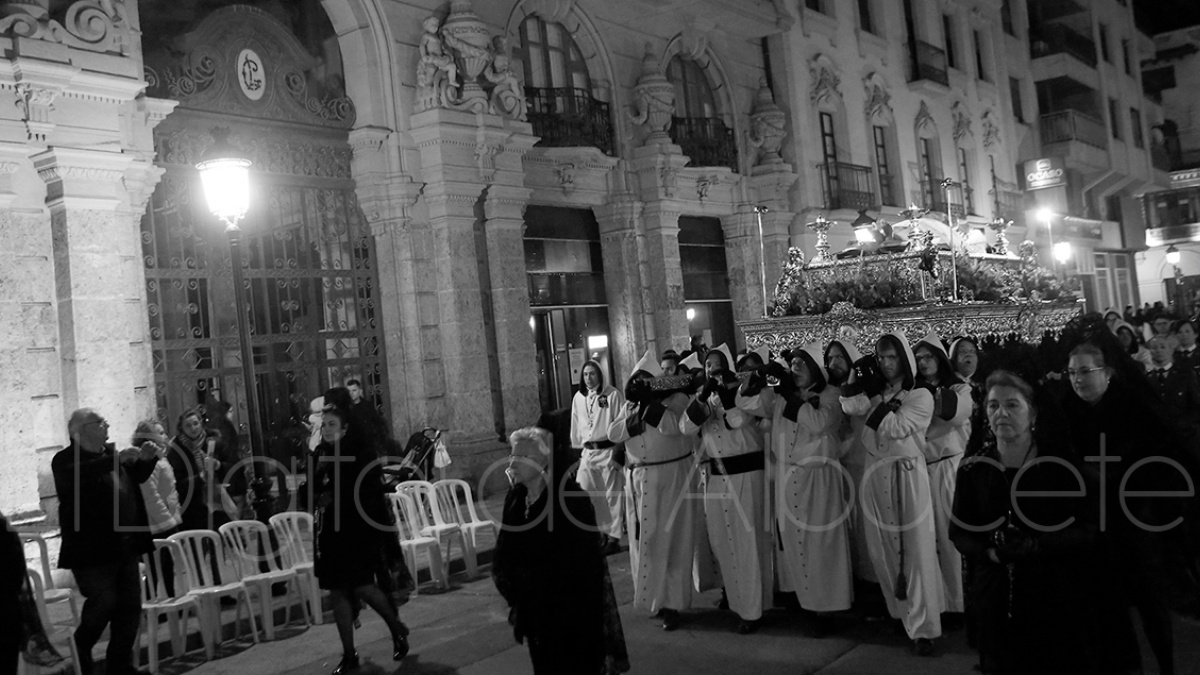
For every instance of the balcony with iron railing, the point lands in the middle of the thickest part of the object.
(705, 140)
(933, 197)
(1058, 39)
(1008, 202)
(568, 117)
(1072, 125)
(929, 63)
(848, 186)
(1172, 215)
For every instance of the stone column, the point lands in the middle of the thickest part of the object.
(99, 294)
(386, 197)
(505, 209)
(625, 269)
(457, 168)
(657, 168)
(743, 257)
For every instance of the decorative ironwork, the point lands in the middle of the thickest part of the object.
(928, 63)
(568, 117)
(848, 186)
(706, 141)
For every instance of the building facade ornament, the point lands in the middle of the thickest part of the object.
(36, 104)
(962, 121)
(91, 25)
(463, 68)
(826, 84)
(555, 11)
(653, 99)
(991, 130)
(767, 126)
(566, 177)
(878, 105)
(924, 118)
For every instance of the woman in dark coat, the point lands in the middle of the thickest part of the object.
(1036, 590)
(549, 566)
(1113, 418)
(352, 525)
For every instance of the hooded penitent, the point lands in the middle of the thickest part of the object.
(648, 364)
(723, 350)
(900, 342)
(690, 363)
(813, 357)
(938, 347)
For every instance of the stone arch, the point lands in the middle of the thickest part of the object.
(694, 45)
(368, 51)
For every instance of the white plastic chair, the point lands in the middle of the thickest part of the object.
(249, 545)
(457, 505)
(434, 525)
(202, 550)
(57, 635)
(289, 530)
(54, 594)
(156, 601)
(412, 542)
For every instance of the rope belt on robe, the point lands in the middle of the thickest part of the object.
(637, 516)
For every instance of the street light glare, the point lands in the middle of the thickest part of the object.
(1173, 255)
(226, 183)
(691, 313)
(1045, 215)
(1062, 251)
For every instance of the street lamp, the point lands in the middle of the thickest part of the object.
(759, 210)
(1173, 259)
(1062, 252)
(1173, 255)
(225, 175)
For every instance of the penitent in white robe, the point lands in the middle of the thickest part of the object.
(945, 443)
(733, 507)
(662, 507)
(898, 509)
(814, 513)
(598, 474)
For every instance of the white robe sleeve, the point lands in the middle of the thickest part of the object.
(855, 406)
(578, 419)
(824, 419)
(911, 418)
(759, 405)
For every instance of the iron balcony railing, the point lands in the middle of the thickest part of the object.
(705, 140)
(568, 117)
(848, 186)
(1008, 202)
(1072, 125)
(1058, 39)
(929, 63)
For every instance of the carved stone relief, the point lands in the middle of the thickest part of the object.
(878, 105)
(991, 130)
(653, 99)
(826, 84)
(90, 25)
(767, 126)
(962, 121)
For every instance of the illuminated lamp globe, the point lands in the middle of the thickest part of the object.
(1062, 251)
(1045, 215)
(1173, 255)
(225, 175)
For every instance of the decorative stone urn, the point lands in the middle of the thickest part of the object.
(467, 35)
(654, 100)
(767, 125)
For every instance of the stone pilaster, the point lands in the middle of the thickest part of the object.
(629, 325)
(657, 168)
(98, 293)
(387, 197)
(458, 162)
(743, 258)
(515, 353)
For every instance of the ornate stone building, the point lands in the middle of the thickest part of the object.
(456, 203)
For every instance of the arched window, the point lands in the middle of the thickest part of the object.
(562, 108)
(696, 126)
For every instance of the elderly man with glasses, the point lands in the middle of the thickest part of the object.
(104, 533)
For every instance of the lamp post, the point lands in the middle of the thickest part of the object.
(759, 210)
(225, 175)
(946, 185)
(1173, 257)
(1047, 217)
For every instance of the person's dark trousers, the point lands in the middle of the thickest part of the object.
(111, 596)
(10, 639)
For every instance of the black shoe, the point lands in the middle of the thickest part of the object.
(670, 619)
(747, 627)
(399, 647)
(348, 664)
(923, 646)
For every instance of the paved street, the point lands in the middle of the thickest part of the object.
(463, 631)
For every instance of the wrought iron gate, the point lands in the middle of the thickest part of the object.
(309, 254)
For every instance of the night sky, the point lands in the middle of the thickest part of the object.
(1159, 16)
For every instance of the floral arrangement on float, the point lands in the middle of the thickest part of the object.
(914, 277)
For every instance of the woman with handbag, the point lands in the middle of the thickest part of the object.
(351, 524)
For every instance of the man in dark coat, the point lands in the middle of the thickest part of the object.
(104, 534)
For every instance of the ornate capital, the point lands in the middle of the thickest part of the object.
(36, 104)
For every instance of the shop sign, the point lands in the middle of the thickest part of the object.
(1045, 173)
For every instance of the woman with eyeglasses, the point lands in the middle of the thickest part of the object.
(1127, 336)
(1108, 417)
(1033, 585)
